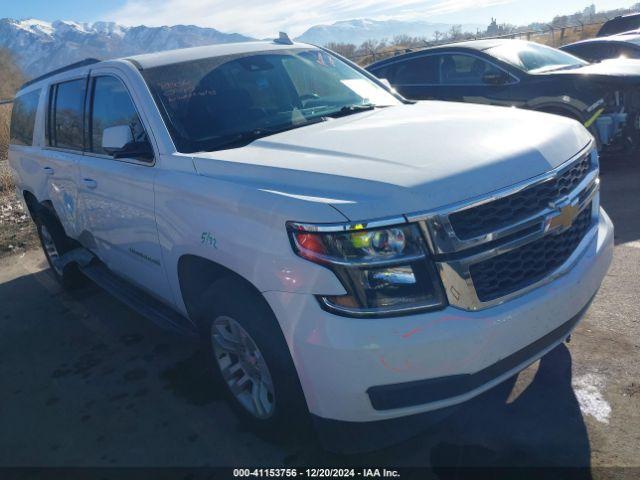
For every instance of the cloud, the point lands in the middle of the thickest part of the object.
(259, 18)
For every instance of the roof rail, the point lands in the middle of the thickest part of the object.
(81, 63)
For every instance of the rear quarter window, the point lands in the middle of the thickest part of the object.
(23, 118)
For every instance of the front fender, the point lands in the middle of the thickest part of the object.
(240, 228)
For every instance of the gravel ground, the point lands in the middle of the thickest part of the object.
(84, 381)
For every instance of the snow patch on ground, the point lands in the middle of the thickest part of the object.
(588, 389)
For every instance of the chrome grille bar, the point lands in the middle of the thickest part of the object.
(442, 237)
(455, 256)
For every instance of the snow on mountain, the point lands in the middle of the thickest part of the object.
(360, 30)
(41, 46)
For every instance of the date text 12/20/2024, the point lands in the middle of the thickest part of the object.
(316, 472)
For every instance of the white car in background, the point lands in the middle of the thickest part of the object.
(338, 249)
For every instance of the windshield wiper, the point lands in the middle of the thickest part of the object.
(351, 109)
(244, 138)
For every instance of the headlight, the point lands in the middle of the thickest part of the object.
(385, 271)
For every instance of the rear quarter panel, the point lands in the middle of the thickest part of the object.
(25, 162)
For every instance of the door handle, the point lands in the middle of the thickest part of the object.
(48, 170)
(90, 182)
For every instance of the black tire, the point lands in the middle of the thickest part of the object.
(233, 298)
(50, 229)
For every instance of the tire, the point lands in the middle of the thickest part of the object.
(283, 409)
(55, 243)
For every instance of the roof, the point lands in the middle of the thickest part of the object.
(151, 60)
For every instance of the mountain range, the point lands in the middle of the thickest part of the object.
(40, 46)
(360, 30)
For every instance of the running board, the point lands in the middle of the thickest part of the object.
(138, 300)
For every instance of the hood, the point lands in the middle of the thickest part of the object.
(620, 69)
(401, 159)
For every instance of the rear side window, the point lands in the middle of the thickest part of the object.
(23, 118)
(386, 72)
(66, 114)
(416, 71)
(112, 106)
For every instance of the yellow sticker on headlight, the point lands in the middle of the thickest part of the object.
(360, 240)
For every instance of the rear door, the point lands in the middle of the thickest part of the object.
(117, 195)
(64, 146)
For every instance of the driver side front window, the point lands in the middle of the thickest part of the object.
(112, 106)
(466, 70)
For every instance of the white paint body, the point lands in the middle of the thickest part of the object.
(387, 162)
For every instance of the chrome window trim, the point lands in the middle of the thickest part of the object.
(442, 239)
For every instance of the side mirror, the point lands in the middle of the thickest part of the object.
(386, 83)
(118, 141)
(115, 139)
(495, 78)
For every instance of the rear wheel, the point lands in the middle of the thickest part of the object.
(249, 358)
(55, 244)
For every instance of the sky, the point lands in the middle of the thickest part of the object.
(260, 18)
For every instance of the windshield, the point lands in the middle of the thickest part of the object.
(533, 57)
(228, 101)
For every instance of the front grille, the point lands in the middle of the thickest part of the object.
(506, 211)
(526, 265)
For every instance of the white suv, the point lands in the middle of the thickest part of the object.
(340, 250)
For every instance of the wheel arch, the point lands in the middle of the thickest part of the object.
(196, 274)
(573, 113)
(32, 203)
(562, 110)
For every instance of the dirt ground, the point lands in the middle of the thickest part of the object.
(17, 232)
(84, 381)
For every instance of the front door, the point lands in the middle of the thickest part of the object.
(117, 195)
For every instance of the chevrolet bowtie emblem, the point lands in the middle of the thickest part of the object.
(563, 219)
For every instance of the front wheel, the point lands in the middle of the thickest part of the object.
(249, 358)
(243, 367)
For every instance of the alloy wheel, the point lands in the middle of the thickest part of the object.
(243, 367)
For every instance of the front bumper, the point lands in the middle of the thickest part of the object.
(345, 363)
